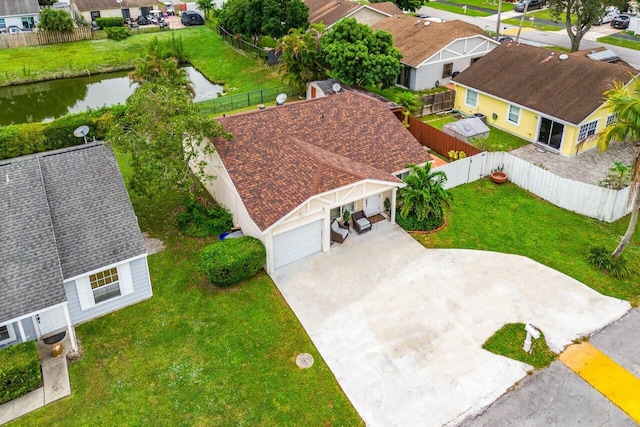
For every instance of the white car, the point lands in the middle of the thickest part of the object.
(610, 13)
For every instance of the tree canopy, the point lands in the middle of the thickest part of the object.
(302, 59)
(359, 56)
(55, 20)
(424, 197)
(578, 17)
(626, 108)
(256, 18)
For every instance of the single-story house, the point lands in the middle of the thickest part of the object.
(331, 11)
(433, 52)
(71, 246)
(291, 169)
(23, 14)
(552, 99)
(90, 10)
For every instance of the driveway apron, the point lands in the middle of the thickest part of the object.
(401, 326)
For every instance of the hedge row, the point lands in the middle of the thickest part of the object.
(231, 261)
(19, 371)
(29, 138)
(110, 22)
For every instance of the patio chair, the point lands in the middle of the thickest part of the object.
(360, 222)
(338, 232)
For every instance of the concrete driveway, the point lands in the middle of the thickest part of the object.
(401, 326)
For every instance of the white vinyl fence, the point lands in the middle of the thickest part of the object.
(596, 202)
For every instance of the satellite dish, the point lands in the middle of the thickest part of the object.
(82, 132)
(427, 23)
(563, 57)
(336, 87)
(281, 98)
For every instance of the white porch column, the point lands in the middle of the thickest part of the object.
(326, 230)
(268, 243)
(72, 333)
(21, 330)
(394, 192)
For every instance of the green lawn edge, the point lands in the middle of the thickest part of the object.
(508, 341)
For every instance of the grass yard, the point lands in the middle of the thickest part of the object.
(540, 14)
(484, 4)
(205, 49)
(508, 340)
(508, 219)
(617, 41)
(193, 355)
(457, 9)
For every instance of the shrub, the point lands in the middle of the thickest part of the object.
(231, 261)
(19, 371)
(105, 23)
(202, 221)
(619, 177)
(412, 223)
(601, 258)
(117, 33)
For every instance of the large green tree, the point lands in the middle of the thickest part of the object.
(578, 17)
(55, 20)
(359, 56)
(626, 107)
(424, 196)
(302, 59)
(256, 18)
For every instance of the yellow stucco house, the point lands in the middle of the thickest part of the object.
(552, 99)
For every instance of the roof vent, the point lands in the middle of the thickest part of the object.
(427, 23)
(563, 57)
(552, 53)
(417, 22)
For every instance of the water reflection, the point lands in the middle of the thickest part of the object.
(45, 101)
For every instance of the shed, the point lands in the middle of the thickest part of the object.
(467, 129)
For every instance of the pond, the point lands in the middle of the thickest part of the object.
(45, 101)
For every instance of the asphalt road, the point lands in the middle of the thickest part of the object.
(556, 396)
(557, 38)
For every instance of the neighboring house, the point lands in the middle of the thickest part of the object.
(433, 52)
(554, 100)
(90, 10)
(331, 11)
(23, 14)
(291, 169)
(71, 246)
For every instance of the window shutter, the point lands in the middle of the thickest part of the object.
(124, 276)
(85, 294)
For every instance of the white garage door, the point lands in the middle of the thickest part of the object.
(296, 244)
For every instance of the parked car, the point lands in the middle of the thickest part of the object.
(621, 21)
(191, 17)
(141, 20)
(12, 30)
(533, 4)
(610, 13)
(507, 39)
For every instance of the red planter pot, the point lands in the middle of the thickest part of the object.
(499, 177)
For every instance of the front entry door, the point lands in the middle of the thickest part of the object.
(50, 320)
(550, 133)
(372, 205)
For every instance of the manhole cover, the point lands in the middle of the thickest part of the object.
(304, 360)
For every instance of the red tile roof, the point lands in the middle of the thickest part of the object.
(280, 157)
(331, 11)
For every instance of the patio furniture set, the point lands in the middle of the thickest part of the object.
(339, 232)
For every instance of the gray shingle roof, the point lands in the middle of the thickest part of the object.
(30, 274)
(19, 7)
(67, 213)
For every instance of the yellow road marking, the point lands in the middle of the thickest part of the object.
(514, 31)
(605, 375)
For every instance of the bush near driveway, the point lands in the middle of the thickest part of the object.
(19, 371)
(233, 260)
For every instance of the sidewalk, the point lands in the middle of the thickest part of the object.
(55, 378)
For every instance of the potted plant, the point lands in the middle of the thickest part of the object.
(387, 205)
(345, 217)
(498, 175)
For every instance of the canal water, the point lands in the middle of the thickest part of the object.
(45, 101)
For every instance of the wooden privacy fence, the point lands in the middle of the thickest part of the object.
(589, 200)
(437, 140)
(437, 102)
(35, 38)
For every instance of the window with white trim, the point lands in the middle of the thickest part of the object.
(472, 98)
(339, 211)
(3, 24)
(7, 334)
(587, 129)
(514, 114)
(611, 119)
(447, 69)
(105, 285)
(403, 175)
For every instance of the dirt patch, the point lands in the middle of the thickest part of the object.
(153, 245)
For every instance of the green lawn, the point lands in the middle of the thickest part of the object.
(630, 44)
(205, 49)
(506, 218)
(485, 4)
(508, 341)
(457, 9)
(195, 355)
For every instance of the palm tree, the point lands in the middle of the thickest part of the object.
(302, 58)
(409, 103)
(205, 6)
(424, 196)
(626, 127)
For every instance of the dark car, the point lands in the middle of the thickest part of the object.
(141, 20)
(533, 4)
(621, 21)
(191, 17)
